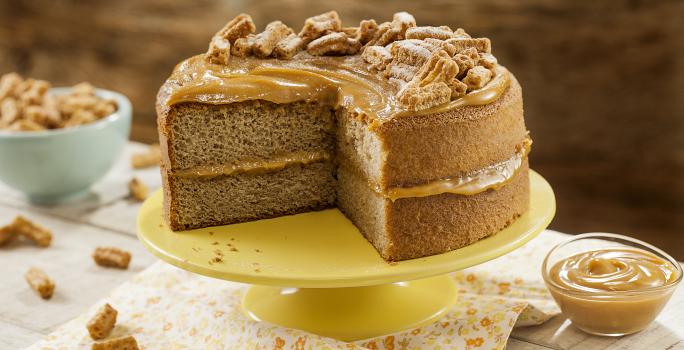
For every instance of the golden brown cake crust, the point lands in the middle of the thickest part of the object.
(447, 222)
(463, 140)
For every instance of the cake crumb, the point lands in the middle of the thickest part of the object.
(112, 257)
(102, 323)
(122, 343)
(138, 190)
(40, 282)
(149, 158)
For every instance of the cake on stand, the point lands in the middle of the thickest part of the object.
(316, 272)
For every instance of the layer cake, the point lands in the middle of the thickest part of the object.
(415, 133)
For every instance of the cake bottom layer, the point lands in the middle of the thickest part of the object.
(194, 202)
(410, 228)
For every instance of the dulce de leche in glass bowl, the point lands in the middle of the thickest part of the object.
(609, 284)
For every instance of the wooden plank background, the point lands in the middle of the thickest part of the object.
(603, 81)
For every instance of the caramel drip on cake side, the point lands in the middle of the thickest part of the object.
(335, 81)
(492, 177)
(255, 166)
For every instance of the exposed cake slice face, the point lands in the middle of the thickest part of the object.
(424, 185)
(415, 133)
(246, 161)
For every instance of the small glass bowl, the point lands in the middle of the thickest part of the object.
(608, 313)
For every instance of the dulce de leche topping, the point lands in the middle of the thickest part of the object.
(335, 81)
(615, 269)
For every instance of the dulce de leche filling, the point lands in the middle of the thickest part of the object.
(491, 177)
(255, 166)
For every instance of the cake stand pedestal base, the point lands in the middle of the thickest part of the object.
(353, 313)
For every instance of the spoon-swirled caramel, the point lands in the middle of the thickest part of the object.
(613, 270)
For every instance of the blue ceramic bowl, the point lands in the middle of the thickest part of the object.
(56, 165)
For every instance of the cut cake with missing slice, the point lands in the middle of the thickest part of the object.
(253, 138)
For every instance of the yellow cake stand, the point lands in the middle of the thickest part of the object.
(316, 272)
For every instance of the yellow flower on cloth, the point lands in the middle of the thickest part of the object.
(168, 308)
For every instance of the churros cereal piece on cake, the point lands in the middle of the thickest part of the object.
(123, 343)
(34, 232)
(138, 190)
(333, 44)
(40, 282)
(477, 77)
(266, 41)
(147, 159)
(317, 26)
(112, 257)
(102, 323)
(288, 47)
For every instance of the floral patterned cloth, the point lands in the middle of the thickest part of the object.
(168, 308)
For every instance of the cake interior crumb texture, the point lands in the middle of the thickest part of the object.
(358, 165)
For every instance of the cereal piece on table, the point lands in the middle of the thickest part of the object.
(138, 190)
(150, 158)
(102, 323)
(112, 257)
(34, 232)
(123, 343)
(7, 234)
(40, 282)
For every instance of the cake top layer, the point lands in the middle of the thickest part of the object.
(378, 71)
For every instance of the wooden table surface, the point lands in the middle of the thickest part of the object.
(107, 217)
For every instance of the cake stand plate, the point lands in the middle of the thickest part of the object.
(316, 272)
